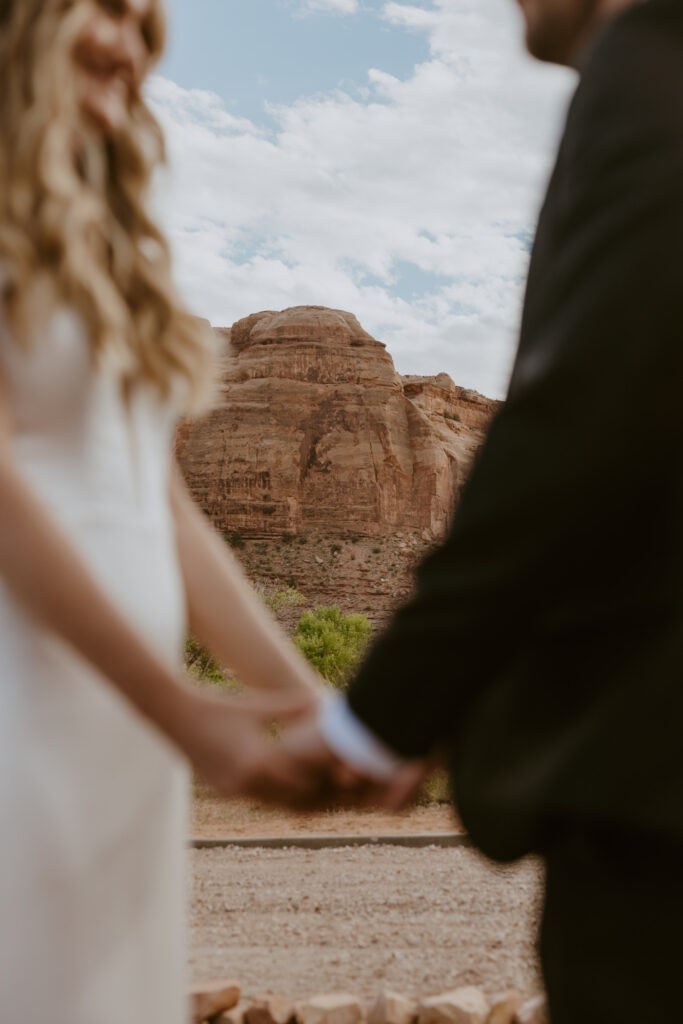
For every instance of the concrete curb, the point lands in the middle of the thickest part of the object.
(441, 840)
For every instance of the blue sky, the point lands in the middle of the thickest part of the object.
(387, 158)
(257, 52)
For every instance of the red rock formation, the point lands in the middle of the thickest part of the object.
(315, 430)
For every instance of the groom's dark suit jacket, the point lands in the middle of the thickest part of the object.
(543, 650)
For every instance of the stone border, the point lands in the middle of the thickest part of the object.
(442, 840)
(219, 1003)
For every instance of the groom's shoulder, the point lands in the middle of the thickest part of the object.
(638, 53)
(631, 80)
(642, 30)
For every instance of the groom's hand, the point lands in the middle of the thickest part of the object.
(301, 771)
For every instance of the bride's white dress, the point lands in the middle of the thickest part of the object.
(92, 799)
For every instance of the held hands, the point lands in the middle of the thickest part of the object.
(230, 743)
(304, 745)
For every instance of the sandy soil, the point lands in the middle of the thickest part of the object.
(216, 818)
(213, 817)
(421, 921)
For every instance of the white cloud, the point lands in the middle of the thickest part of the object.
(438, 176)
(337, 6)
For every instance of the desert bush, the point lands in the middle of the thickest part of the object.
(436, 789)
(205, 669)
(333, 643)
(289, 598)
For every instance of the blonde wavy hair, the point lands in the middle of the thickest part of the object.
(74, 227)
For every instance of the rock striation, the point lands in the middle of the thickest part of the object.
(316, 431)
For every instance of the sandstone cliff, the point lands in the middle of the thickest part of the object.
(316, 432)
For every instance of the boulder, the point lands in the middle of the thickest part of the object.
(233, 1016)
(208, 999)
(534, 1011)
(462, 1006)
(332, 1008)
(392, 1008)
(270, 1010)
(504, 1007)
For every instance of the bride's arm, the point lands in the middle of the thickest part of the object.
(225, 614)
(44, 574)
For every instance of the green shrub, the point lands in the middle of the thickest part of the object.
(205, 669)
(376, 551)
(289, 598)
(335, 548)
(287, 538)
(436, 789)
(333, 643)
(235, 540)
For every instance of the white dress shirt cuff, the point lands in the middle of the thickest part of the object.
(352, 741)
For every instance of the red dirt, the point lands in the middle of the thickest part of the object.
(213, 817)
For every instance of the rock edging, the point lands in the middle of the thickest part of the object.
(219, 1003)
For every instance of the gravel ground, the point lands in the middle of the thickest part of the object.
(297, 922)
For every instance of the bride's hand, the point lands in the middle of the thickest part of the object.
(230, 742)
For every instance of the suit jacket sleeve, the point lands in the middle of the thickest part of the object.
(593, 413)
